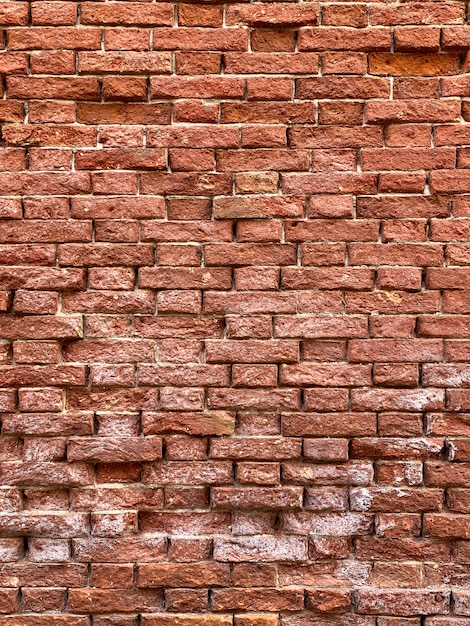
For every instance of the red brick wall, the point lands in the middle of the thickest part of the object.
(234, 366)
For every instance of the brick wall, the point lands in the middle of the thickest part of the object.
(234, 284)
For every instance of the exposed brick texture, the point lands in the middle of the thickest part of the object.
(235, 313)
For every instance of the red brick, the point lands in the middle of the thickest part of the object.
(402, 549)
(328, 600)
(405, 206)
(390, 525)
(319, 327)
(190, 375)
(396, 499)
(247, 294)
(252, 302)
(251, 351)
(175, 575)
(256, 208)
(53, 88)
(130, 14)
(412, 111)
(147, 550)
(201, 39)
(329, 375)
(53, 62)
(392, 350)
(390, 448)
(45, 183)
(454, 37)
(402, 64)
(387, 302)
(348, 182)
(114, 450)
(54, 37)
(249, 160)
(396, 374)
(129, 62)
(321, 254)
(14, 15)
(259, 549)
(194, 600)
(51, 111)
(12, 111)
(324, 424)
(269, 136)
(60, 13)
(177, 183)
(417, 13)
(411, 38)
(341, 87)
(396, 181)
(67, 327)
(271, 63)
(258, 600)
(332, 230)
(266, 112)
(248, 254)
(335, 524)
(405, 603)
(324, 574)
(442, 525)
(105, 600)
(417, 159)
(267, 39)
(215, 423)
(344, 14)
(185, 620)
(194, 110)
(344, 39)
(248, 278)
(122, 113)
(189, 15)
(194, 87)
(256, 497)
(410, 135)
(266, 14)
(344, 63)
(258, 473)
(174, 472)
(344, 474)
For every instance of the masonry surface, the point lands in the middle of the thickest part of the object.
(235, 328)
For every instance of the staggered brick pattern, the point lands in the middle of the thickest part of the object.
(235, 284)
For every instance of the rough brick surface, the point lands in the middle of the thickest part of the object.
(234, 313)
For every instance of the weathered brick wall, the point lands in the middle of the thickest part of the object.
(235, 264)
